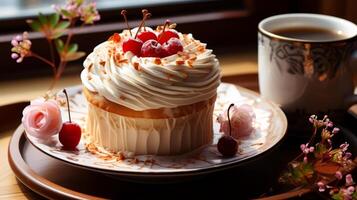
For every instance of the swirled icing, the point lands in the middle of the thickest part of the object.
(142, 83)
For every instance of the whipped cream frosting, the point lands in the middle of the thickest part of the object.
(142, 83)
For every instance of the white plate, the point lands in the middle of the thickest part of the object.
(270, 127)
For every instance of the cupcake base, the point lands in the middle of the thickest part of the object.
(164, 136)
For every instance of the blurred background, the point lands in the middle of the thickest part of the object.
(228, 26)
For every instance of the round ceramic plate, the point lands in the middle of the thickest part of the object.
(269, 128)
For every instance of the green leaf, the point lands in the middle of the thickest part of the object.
(337, 196)
(354, 195)
(320, 150)
(42, 18)
(296, 174)
(73, 56)
(54, 18)
(307, 169)
(59, 45)
(65, 13)
(79, 2)
(72, 48)
(34, 24)
(56, 34)
(62, 25)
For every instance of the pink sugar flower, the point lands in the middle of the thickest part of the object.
(241, 120)
(42, 119)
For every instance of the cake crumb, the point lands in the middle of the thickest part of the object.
(120, 156)
(102, 63)
(115, 38)
(136, 66)
(90, 67)
(180, 62)
(122, 97)
(135, 161)
(190, 63)
(92, 148)
(157, 61)
(201, 48)
(123, 61)
(193, 57)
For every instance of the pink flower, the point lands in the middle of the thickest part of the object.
(350, 190)
(306, 149)
(344, 146)
(338, 175)
(74, 9)
(241, 120)
(42, 119)
(312, 119)
(89, 13)
(321, 186)
(305, 159)
(347, 155)
(21, 47)
(349, 180)
(335, 130)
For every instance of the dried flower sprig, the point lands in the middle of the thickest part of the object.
(53, 28)
(320, 166)
(346, 191)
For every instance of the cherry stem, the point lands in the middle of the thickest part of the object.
(144, 11)
(69, 111)
(229, 119)
(124, 12)
(167, 23)
(147, 15)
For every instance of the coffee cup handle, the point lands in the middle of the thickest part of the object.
(351, 100)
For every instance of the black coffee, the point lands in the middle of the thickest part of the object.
(307, 33)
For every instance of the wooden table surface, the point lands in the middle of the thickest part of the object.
(24, 90)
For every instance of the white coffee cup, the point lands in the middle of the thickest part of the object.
(307, 75)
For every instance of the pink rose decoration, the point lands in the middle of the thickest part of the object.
(42, 119)
(241, 120)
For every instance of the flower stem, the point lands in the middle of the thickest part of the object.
(313, 135)
(70, 34)
(54, 70)
(311, 139)
(43, 60)
(63, 63)
(51, 50)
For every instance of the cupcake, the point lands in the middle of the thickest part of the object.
(154, 97)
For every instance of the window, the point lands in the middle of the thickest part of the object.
(223, 24)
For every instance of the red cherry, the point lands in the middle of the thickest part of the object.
(172, 46)
(147, 35)
(227, 146)
(166, 35)
(151, 48)
(133, 45)
(70, 135)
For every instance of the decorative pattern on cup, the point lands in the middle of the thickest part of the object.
(318, 60)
